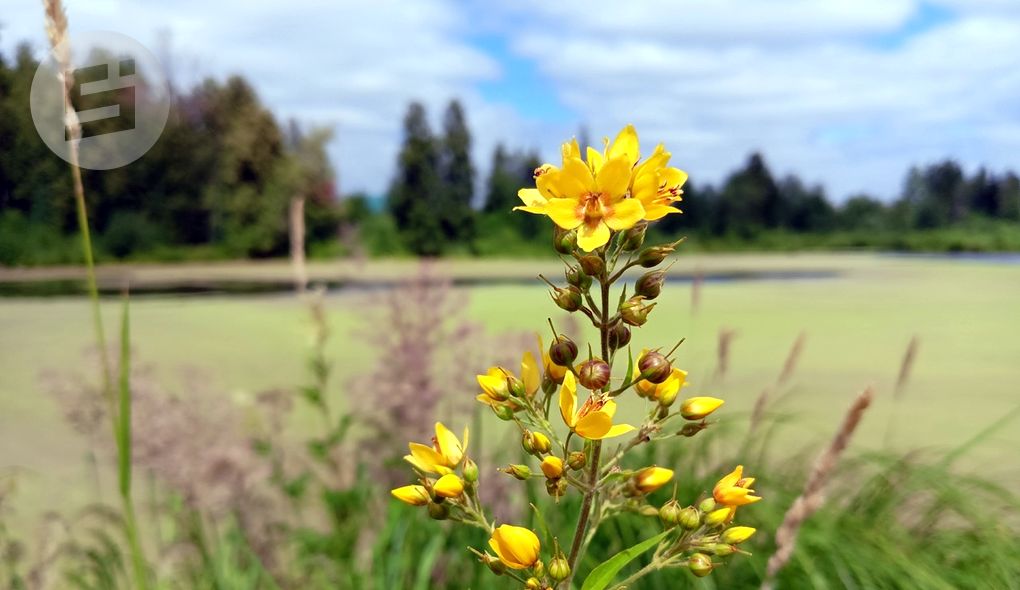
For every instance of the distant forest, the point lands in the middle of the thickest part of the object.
(219, 183)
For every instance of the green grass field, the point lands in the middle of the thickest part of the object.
(858, 324)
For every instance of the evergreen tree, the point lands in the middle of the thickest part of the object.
(413, 197)
(457, 175)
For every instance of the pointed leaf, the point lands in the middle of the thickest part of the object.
(600, 577)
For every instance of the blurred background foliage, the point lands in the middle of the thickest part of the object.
(218, 182)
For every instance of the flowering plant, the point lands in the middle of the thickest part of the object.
(601, 206)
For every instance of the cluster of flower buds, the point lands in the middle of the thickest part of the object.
(447, 477)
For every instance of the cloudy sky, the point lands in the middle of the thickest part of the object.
(847, 93)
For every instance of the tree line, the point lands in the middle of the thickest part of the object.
(219, 182)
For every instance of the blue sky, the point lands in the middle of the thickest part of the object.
(847, 93)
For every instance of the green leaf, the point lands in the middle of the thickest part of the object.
(124, 412)
(601, 576)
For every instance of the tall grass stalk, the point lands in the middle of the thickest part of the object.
(56, 31)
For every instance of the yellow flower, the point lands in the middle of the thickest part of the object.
(414, 495)
(495, 386)
(592, 198)
(552, 466)
(656, 185)
(517, 547)
(736, 535)
(594, 420)
(443, 456)
(734, 489)
(530, 374)
(696, 408)
(448, 486)
(652, 478)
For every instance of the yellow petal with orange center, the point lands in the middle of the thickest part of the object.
(566, 213)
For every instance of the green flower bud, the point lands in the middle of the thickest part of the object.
(515, 386)
(699, 564)
(650, 284)
(707, 505)
(576, 460)
(564, 241)
(690, 518)
(635, 311)
(576, 277)
(503, 412)
(568, 299)
(470, 471)
(670, 513)
(592, 265)
(650, 257)
(538, 569)
(556, 488)
(528, 442)
(594, 374)
(721, 549)
(691, 429)
(619, 335)
(521, 472)
(634, 237)
(654, 367)
(563, 351)
(494, 564)
(559, 569)
(439, 511)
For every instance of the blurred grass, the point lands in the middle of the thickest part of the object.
(858, 325)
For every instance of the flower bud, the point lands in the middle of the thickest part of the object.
(737, 535)
(528, 442)
(556, 487)
(707, 505)
(533, 584)
(690, 430)
(592, 265)
(415, 495)
(619, 335)
(635, 311)
(448, 486)
(652, 478)
(648, 510)
(538, 569)
(650, 257)
(717, 516)
(563, 351)
(696, 408)
(559, 569)
(666, 399)
(521, 472)
(515, 386)
(690, 518)
(552, 467)
(503, 412)
(439, 511)
(634, 237)
(699, 564)
(721, 549)
(670, 513)
(654, 367)
(650, 284)
(576, 277)
(564, 241)
(470, 471)
(494, 564)
(576, 460)
(541, 443)
(568, 299)
(594, 374)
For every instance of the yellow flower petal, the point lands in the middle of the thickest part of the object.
(625, 145)
(449, 447)
(624, 214)
(427, 459)
(414, 495)
(613, 179)
(566, 213)
(595, 160)
(517, 547)
(656, 211)
(594, 425)
(617, 430)
(590, 237)
(449, 486)
(530, 374)
(552, 466)
(568, 399)
(575, 179)
(571, 149)
(652, 478)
